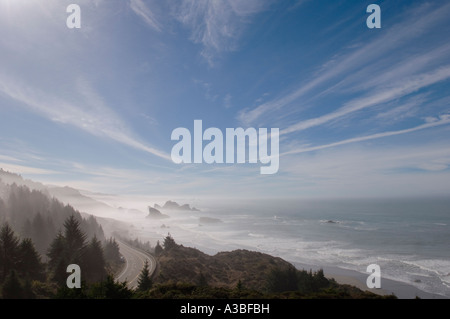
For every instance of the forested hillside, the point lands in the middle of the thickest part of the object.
(40, 237)
(33, 214)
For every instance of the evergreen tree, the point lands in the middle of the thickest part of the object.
(169, 242)
(144, 280)
(116, 290)
(75, 242)
(112, 251)
(60, 274)
(9, 251)
(14, 205)
(2, 210)
(26, 229)
(239, 286)
(56, 249)
(280, 280)
(65, 292)
(94, 261)
(39, 233)
(74, 237)
(71, 248)
(158, 248)
(51, 230)
(30, 264)
(58, 261)
(12, 289)
(320, 280)
(110, 289)
(92, 228)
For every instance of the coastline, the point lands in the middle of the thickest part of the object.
(357, 279)
(341, 275)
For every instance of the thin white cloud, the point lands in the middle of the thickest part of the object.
(216, 24)
(9, 158)
(298, 4)
(89, 114)
(388, 94)
(22, 169)
(139, 7)
(416, 24)
(444, 120)
(407, 109)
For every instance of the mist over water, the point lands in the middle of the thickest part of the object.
(408, 238)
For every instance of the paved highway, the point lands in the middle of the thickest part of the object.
(134, 263)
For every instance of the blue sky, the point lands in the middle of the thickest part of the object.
(361, 112)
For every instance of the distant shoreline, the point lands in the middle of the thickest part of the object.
(347, 277)
(341, 275)
(357, 279)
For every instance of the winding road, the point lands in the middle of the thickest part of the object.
(134, 263)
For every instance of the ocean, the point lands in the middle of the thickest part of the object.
(408, 238)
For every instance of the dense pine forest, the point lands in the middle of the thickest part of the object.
(33, 214)
(23, 274)
(40, 237)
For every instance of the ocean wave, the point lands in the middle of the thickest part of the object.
(297, 240)
(256, 235)
(439, 267)
(418, 274)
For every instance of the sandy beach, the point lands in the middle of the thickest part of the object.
(388, 287)
(357, 279)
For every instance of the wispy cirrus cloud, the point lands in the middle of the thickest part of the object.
(383, 96)
(408, 109)
(216, 25)
(87, 112)
(340, 70)
(9, 158)
(143, 11)
(443, 120)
